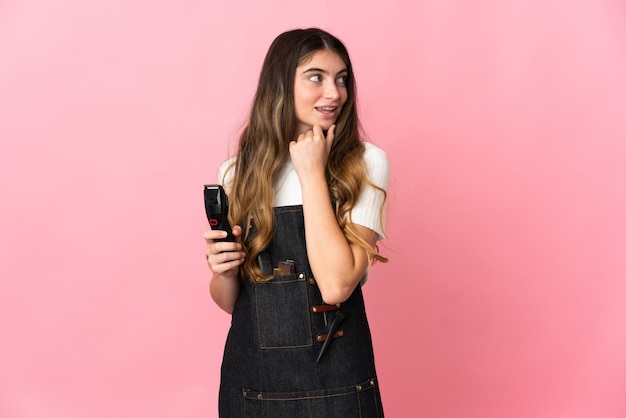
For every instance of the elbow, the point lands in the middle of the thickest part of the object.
(334, 295)
(337, 288)
(228, 309)
(223, 304)
(224, 298)
(334, 299)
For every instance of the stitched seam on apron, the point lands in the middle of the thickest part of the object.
(302, 398)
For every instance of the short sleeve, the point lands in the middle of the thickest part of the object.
(226, 173)
(369, 210)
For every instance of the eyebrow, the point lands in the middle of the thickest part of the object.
(319, 70)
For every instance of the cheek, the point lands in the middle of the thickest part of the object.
(304, 100)
(299, 105)
(297, 100)
(344, 97)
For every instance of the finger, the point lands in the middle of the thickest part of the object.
(213, 234)
(330, 136)
(224, 261)
(226, 267)
(318, 131)
(237, 231)
(232, 265)
(230, 256)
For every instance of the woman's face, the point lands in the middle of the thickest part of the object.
(320, 90)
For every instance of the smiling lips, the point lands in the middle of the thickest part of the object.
(327, 111)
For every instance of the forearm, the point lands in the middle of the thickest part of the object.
(224, 259)
(225, 291)
(337, 265)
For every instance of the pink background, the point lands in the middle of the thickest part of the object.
(505, 126)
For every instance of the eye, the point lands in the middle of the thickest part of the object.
(316, 78)
(341, 80)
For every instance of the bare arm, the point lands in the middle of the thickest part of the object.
(337, 265)
(224, 259)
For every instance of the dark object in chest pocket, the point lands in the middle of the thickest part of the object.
(283, 313)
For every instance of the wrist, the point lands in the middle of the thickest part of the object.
(314, 182)
(227, 276)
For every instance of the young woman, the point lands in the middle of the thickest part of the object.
(307, 200)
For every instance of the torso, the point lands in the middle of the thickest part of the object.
(270, 367)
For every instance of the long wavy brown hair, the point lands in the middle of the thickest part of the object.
(264, 147)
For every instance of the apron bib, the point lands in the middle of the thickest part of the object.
(272, 364)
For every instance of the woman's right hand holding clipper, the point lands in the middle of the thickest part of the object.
(224, 259)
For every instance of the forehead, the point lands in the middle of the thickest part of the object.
(324, 59)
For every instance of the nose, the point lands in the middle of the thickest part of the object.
(331, 91)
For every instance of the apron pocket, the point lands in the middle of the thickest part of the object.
(359, 401)
(282, 310)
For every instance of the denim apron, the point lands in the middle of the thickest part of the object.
(272, 366)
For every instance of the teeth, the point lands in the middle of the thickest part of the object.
(329, 109)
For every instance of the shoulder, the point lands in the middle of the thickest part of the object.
(374, 153)
(226, 172)
(377, 164)
(369, 209)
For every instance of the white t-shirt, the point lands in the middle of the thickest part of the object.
(366, 211)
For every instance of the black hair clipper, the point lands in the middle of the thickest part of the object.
(216, 206)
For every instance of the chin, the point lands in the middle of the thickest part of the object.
(327, 124)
